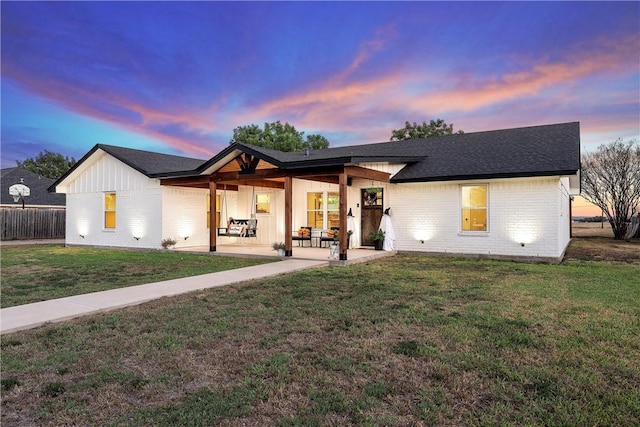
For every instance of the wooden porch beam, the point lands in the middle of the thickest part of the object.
(213, 231)
(192, 181)
(342, 208)
(288, 216)
(331, 179)
(262, 183)
(278, 173)
(360, 172)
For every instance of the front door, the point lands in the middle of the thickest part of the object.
(371, 201)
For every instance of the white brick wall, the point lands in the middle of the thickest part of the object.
(520, 211)
(184, 215)
(533, 211)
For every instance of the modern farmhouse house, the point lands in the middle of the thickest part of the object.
(502, 193)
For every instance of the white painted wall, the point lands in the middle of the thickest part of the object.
(525, 211)
(138, 206)
(185, 215)
(533, 211)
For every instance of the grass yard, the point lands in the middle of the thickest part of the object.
(406, 340)
(34, 273)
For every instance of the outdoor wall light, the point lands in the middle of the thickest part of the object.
(522, 244)
(81, 235)
(186, 237)
(422, 241)
(137, 238)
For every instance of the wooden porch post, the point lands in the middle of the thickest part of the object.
(342, 184)
(288, 215)
(213, 231)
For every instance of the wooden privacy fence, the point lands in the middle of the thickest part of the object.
(24, 224)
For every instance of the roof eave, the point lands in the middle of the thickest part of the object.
(52, 187)
(486, 176)
(240, 147)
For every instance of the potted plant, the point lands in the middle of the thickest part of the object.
(378, 239)
(278, 246)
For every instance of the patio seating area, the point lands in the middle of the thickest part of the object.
(306, 253)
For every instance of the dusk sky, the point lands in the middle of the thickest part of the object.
(178, 77)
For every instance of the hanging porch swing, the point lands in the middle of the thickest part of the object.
(239, 227)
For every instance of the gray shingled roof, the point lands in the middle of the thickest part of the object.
(520, 152)
(37, 184)
(148, 163)
(151, 163)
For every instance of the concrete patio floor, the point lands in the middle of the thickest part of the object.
(303, 253)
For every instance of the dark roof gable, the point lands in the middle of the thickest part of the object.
(149, 163)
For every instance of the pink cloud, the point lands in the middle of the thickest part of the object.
(119, 110)
(343, 104)
(619, 59)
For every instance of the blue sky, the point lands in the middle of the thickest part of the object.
(178, 77)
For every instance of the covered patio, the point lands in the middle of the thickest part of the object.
(308, 253)
(248, 166)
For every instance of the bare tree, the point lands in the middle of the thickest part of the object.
(611, 181)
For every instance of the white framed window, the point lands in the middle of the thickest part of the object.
(474, 208)
(109, 211)
(323, 209)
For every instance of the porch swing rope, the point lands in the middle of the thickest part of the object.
(224, 203)
(253, 202)
(252, 217)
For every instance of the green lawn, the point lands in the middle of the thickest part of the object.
(406, 340)
(41, 272)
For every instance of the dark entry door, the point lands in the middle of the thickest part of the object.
(371, 201)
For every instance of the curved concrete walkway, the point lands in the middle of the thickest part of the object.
(29, 316)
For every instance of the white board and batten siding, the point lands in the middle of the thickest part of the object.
(138, 206)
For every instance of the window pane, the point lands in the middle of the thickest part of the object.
(218, 210)
(333, 219)
(474, 196)
(110, 219)
(479, 219)
(315, 219)
(333, 202)
(314, 201)
(263, 203)
(474, 208)
(372, 197)
(474, 220)
(110, 202)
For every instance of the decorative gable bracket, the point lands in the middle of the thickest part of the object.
(247, 163)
